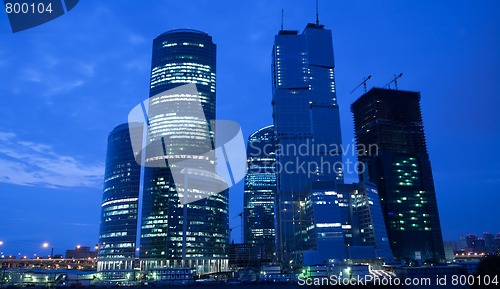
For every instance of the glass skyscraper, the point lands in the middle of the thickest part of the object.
(327, 214)
(260, 194)
(366, 226)
(307, 127)
(344, 221)
(391, 145)
(174, 234)
(117, 234)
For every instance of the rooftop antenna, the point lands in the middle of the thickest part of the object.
(317, 14)
(395, 80)
(365, 79)
(282, 16)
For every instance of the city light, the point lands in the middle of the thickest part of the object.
(45, 245)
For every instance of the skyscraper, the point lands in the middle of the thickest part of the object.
(307, 127)
(391, 145)
(117, 234)
(260, 194)
(344, 223)
(327, 213)
(175, 234)
(367, 226)
(489, 240)
(471, 242)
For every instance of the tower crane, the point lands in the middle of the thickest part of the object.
(362, 83)
(395, 80)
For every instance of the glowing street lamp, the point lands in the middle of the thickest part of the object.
(45, 245)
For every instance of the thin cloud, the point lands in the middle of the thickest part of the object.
(78, 224)
(3, 58)
(136, 39)
(33, 164)
(58, 87)
(44, 74)
(31, 75)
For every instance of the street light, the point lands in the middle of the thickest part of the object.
(1, 243)
(45, 246)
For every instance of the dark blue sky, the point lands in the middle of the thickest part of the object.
(67, 83)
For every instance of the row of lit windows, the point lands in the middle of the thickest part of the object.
(213, 236)
(193, 65)
(114, 234)
(117, 245)
(181, 79)
(167, 44)
(183, 67)
(120, 212)
(183, 96)
(167, 157)
(116, 176)
(119, 207)
(129, 200)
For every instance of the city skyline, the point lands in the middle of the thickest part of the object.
(50, 189)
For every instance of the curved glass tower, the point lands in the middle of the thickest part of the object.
(260, 194)
(117, 234)
(175, 234)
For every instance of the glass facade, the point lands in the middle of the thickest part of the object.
(391, 121)
(117, 234)
(260, 194)
(344, 221)
(367, 226)
(327, 214)
(174, 234)
(307, 127)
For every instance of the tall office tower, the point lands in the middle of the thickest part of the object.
(307, 127)
(391, 144)
(489, 240)
(480, 245)
(173, 233)
(463, 242)
(326, 216)
(117, 234)
(471, 242)
(368, 237)
(260, 194)
(344, 223)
